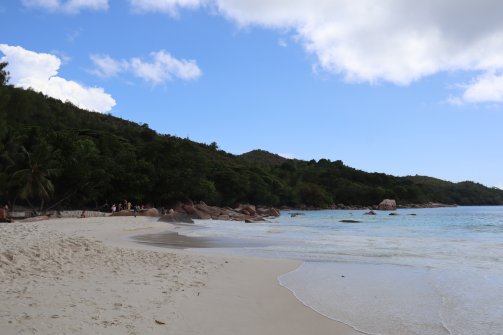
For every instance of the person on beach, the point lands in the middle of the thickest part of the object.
(4, 215)
(114, 208)
(83, 215)
(135, 210)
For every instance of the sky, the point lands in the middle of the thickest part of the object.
(393, 86)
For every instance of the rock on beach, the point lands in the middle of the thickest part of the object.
(387, 205)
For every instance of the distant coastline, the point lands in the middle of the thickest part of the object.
(373, 207)
(186, 212)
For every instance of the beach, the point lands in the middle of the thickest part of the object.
(85, 276)
(428, 271)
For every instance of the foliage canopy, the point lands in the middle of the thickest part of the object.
(55, 153)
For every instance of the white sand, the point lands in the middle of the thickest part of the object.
(82, 276)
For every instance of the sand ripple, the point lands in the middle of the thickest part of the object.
(51, 282)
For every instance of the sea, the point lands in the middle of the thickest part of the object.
(424, 271)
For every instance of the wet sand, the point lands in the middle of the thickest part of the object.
(170, 239)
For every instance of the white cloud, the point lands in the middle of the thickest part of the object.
(164, 6)
(372, 41)
(39, 71)
(162, 68)
(69, 6)
(106, 66)
(486, 88)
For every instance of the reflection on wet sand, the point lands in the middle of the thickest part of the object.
(171, 239)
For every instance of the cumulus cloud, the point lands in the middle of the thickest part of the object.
(39, 71)
(161, 68)
(486, 88)
(372, 41)
(69, 6)
(164, 67)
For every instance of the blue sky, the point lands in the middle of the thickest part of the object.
(372, 86)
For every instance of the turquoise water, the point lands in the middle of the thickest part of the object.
(437, 272)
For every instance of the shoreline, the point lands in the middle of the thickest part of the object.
(251, 287)
(204, 212)
(88, 276)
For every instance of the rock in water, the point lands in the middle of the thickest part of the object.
(195, 213)
(268, 212)
(387, 205)
(247, 209)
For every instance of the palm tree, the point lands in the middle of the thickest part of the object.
(9, 152)
(34, 181)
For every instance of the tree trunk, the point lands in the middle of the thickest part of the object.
(33, 210)
(13, 204)
(68, 195)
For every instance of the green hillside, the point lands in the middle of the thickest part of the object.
(53, 154)
(264, 158)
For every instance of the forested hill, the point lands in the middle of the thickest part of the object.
(264, 158)
(53, 154)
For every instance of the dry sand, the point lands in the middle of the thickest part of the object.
(83, 276)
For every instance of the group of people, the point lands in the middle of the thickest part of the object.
(126, 205)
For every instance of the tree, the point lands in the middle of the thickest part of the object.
(34, 181)
(100, 158)
(314, 195)
(213, 146)
(4, 74)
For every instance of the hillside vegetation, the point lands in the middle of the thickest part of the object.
(55, 155)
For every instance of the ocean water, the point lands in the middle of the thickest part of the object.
(437, 272)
